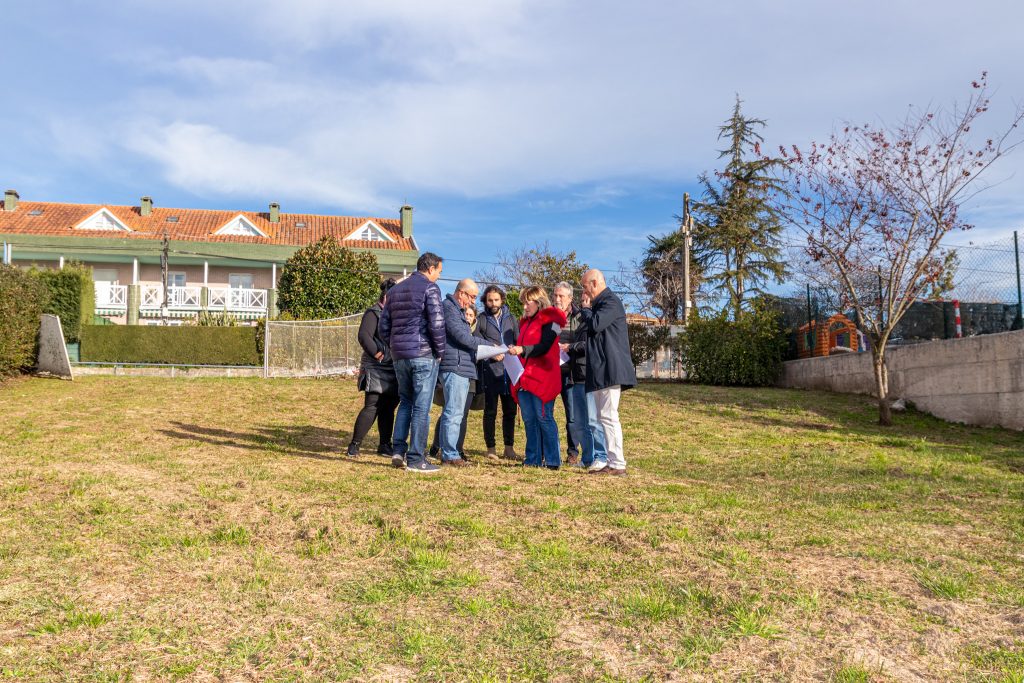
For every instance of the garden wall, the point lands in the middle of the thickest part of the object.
(975, 380)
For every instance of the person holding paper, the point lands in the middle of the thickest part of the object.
(498, 327)
(470, 399)
(575, 422)
(541, 379)
(458, 368)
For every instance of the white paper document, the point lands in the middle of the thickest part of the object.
(514, 367)
(486, 351)
(563, 358)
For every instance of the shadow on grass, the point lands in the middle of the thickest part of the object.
(307, 441)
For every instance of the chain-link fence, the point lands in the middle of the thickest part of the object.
(980, 293)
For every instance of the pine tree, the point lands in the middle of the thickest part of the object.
(738, 232)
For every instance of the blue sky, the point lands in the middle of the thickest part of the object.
(504, 123)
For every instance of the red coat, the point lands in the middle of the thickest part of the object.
(542, 376)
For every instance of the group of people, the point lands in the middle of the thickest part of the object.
(414, 341)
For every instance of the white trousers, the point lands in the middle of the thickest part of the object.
(606, 401)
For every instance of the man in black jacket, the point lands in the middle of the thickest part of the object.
(610, 368)
(499, 328)
(412, 324)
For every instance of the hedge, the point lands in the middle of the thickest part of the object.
(744, 352)
(185, 345)
(22, 298)
(72, 297)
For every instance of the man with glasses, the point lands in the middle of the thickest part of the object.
(458, 368)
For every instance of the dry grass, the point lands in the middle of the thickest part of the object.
(155, 529)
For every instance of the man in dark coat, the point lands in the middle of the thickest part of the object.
(498, 327)
(412, 324)
(458, 369)
(609, 364)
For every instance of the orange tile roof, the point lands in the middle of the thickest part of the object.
(197, 225)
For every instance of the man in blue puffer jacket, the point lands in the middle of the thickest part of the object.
(412, 325)
(458, 368)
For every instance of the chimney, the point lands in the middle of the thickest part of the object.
(146, 206)
(406, 221)
(10, 200)
(275, 212)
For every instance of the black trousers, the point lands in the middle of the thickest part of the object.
(379, 407)
(567, 405)
(508, 417)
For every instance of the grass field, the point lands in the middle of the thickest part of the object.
(210, 529)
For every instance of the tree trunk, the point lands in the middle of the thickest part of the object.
(882, 387)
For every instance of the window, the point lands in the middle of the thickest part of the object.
(175, 279)
(240, 280)
(105, 275)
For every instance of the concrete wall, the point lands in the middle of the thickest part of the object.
(975, 380)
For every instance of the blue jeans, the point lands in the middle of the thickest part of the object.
(541, 431)
(596, 433)
(580, 426)
(416, 380)
(456, 389)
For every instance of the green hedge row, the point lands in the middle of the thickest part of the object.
(184, 345)
(744, 352)
(72, 297)
(22, 300)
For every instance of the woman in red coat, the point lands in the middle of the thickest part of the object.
(541, 382)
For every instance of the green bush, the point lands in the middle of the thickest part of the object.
(326, 280)
(645, 340)
(186, 345)
(22, 300)
(745, 352)
(72, 297)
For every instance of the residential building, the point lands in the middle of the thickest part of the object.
(216, 260)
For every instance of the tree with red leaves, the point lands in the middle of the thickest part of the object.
(875, 202)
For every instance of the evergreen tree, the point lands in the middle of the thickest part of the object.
(326, 280)
(737, 231)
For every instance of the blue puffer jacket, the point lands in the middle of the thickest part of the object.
(459, 343)
(412, 322)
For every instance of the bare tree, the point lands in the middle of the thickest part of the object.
(874, 202)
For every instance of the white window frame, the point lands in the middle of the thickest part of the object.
(172, 274)
(240, 226)
(376, 233)
(251, 284)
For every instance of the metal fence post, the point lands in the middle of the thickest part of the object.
(1018, 321)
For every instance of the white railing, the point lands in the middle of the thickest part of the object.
(238, 298)
(152, 294)
(177, 297)
(109, 295)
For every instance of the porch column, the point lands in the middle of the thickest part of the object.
(273, 276)
(61, 263)
(271, 304)
(135, 270)
(206, 273)
(134, 303)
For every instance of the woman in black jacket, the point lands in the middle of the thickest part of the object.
(377, 380)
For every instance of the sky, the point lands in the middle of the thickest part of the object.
(505, 123)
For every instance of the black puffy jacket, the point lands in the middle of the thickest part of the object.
(412, 322)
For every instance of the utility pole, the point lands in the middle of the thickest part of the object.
(164, 251)
(687, 228)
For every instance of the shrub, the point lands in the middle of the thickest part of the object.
(645, 340)
(72, 297)
(22, 300)
(745, 352)
(186, 345)
(326, 280)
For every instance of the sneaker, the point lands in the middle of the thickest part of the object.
(398, 461)
(597, 466)
(352, 450)
(423, 467)
(434, 450)
(552, 467)
(386, 450)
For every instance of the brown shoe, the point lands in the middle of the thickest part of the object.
(491, 454)
(615, 473)
(510, 453)
(572, 459)
(603, 470)
(455, 463)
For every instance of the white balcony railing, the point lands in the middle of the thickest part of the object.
(238, 299)
(177, 297)
(109, 295)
